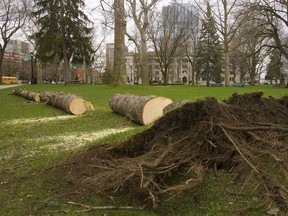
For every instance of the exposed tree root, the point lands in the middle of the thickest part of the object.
(187, 142)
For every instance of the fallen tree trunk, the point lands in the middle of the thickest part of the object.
(140, 109)
(34, 96)
(70, 103)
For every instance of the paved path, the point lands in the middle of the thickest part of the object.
(9, 86)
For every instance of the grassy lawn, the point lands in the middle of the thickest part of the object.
(35, 137)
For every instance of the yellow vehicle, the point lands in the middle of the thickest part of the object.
(9, 80)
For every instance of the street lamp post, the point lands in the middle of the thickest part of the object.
(32, 67)
(131, 74)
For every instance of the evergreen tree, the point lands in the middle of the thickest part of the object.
(208, 52)
(63, 33)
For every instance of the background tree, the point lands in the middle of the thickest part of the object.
(238, 64)
(168, 35)
(250, 49)
(107, 76)
(193, 24)
(13, 15)
(274, 17)
(227, 24)
(63, 33)
(209, 53)
(274, 67)
(28, 29)
(139, 12)
(119, 70)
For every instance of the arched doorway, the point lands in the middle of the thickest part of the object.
(184, 79)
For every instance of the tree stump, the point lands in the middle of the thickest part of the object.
(140, 109)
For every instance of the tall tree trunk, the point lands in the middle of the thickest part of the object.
(227, 67)
(39, 72)
(66, 74)
(119, 70)
(226, 46)
(1, 69)
(144, 60)
(1, 60)
(193, 76)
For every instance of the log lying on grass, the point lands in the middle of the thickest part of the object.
(34, 96)
(70, 103)
(140, 109)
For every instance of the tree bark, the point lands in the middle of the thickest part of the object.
(119, 69)
(140, 109)
(34, 96)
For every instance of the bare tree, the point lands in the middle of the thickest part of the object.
(28, 29)
(12, 18)
(274, 15)
(168, 37)
(98, 63)
(228, 23)
(248, 47)
(139, 12)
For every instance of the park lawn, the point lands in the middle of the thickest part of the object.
(35, 137)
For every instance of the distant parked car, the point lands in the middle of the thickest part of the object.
(216, 84)
(237, 85)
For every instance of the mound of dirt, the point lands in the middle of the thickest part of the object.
(198, 136)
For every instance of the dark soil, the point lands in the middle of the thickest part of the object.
(245, 129)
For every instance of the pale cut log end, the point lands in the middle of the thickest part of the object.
(89, 105)
(77, 106)
(37, 97)
(153, 109)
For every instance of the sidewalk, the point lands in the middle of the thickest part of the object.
(9, 86)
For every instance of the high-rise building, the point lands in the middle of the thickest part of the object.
(17, 46)
(109, 54)
(14, 59)
(179, 16)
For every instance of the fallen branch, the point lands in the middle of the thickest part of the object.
(238, 150)
(272, 128)
(90, 208)
(247, 209)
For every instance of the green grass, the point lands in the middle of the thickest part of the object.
(26, 150)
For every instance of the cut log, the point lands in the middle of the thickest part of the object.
(140, 109)
(47, 96)
(89, 105)
(70, 103)
(34, 96)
